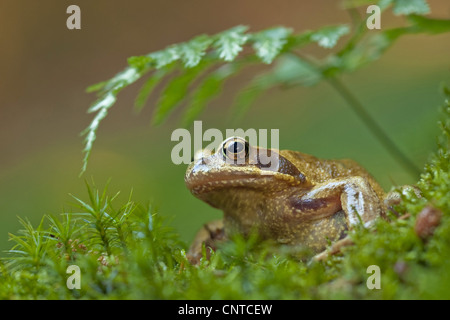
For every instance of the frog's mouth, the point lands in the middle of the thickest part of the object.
(200, 183)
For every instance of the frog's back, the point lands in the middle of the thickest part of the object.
(320, 170)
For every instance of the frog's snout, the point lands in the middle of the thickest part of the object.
(202, 153)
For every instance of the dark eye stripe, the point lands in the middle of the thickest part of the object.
(286, 167)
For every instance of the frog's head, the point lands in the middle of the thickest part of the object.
(236, 166)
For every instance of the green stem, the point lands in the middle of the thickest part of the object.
(367, 119)
(373, 126)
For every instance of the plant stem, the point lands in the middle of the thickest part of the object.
(367, 119)
(373, 126)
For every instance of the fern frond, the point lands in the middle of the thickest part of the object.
(224, 46)
(186, 62)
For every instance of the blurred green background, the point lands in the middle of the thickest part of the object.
(45, 69)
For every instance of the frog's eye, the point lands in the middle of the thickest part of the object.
(236, 149)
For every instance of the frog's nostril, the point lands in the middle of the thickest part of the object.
(201, 154)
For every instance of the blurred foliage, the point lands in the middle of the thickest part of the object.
(197, 69)
(128, 252)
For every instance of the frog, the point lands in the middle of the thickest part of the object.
(298, 200)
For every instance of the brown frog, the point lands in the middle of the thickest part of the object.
(302, 200)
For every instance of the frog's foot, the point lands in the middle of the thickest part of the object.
(393, 197)
(335, 248)
(209, 235)
(360, 202)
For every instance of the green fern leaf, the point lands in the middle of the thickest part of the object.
(96, 87)
(292, 70)
(269, 43)
(327, 37)
(140, 62)
(192, 52)
(248, 95)
(164, 57)
(229, 43)
(406, 7)
(433, 26)
(105, 102)
(175, 91)
(210, 87)
(148, 87)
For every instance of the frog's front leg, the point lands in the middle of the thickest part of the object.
(209, 235)
(353, 195)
